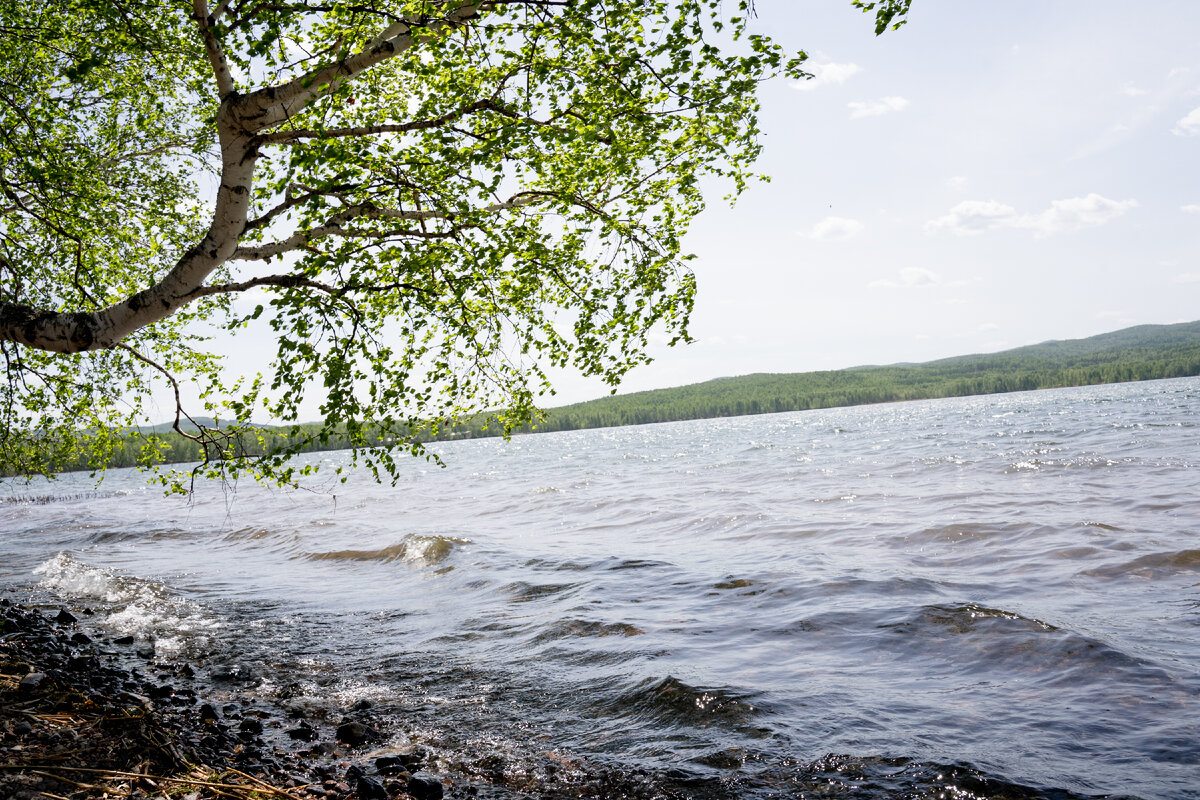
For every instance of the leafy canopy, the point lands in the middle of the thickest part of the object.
(426, 203)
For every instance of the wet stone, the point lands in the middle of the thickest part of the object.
(65, 617)
(251, 726)
(425, 787)
(355, 733)
(369, 788)
(390, 765)
(302, 732)
(208, 714)
(234, 673)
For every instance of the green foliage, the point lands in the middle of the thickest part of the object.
(424, 203)
(887, 13)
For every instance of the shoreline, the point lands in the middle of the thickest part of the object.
(76, 723)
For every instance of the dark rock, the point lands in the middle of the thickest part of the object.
(361, 705)
(22, 728)
(208, 714)
(81, 638)
(425, 787)
(355, 733)
(389, 765)
(82, 663)
(159, 692)
(65, 617)
(124, 640)
(32, 681)
(369, 788)
(414, 758)
(234, 673)
(251, 726)
(354, 773)
(146, 652)
(302, 732)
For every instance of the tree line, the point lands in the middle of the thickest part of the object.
(1134, 354)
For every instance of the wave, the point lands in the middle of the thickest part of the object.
(581, 628)
(671, 701)
(425, 550)
(137, 607)
(1153, 565)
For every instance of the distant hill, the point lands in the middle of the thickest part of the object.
(1145, 352)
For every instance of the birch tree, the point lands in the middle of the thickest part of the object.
(426, 203)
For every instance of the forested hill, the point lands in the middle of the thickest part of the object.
(1146, 352)
(1143, 353)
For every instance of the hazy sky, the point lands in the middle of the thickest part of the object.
(990, 175)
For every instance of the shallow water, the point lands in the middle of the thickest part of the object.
(979, 597)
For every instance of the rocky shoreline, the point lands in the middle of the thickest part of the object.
(77, 723)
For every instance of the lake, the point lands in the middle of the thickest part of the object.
(994, 597)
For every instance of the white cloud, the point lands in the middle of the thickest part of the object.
(918, 276)
(1076, 213)
(835, 229)
(826, 74)
(1190, 208)
(973, 217)
(988, 326)
(910, 277)
(1129, 90)
(957, 184)
(875, 108)
(1189, 125)
(1187, 277)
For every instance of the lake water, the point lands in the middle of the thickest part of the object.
(980, 597)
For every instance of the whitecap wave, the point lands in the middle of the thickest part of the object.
(137, 607)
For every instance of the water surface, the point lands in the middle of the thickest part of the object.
(979, 597)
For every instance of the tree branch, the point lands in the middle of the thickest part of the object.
(213, 48)
(274, 104)
(333, 227)
(282, 137)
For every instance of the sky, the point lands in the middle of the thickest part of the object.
(988, 176)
